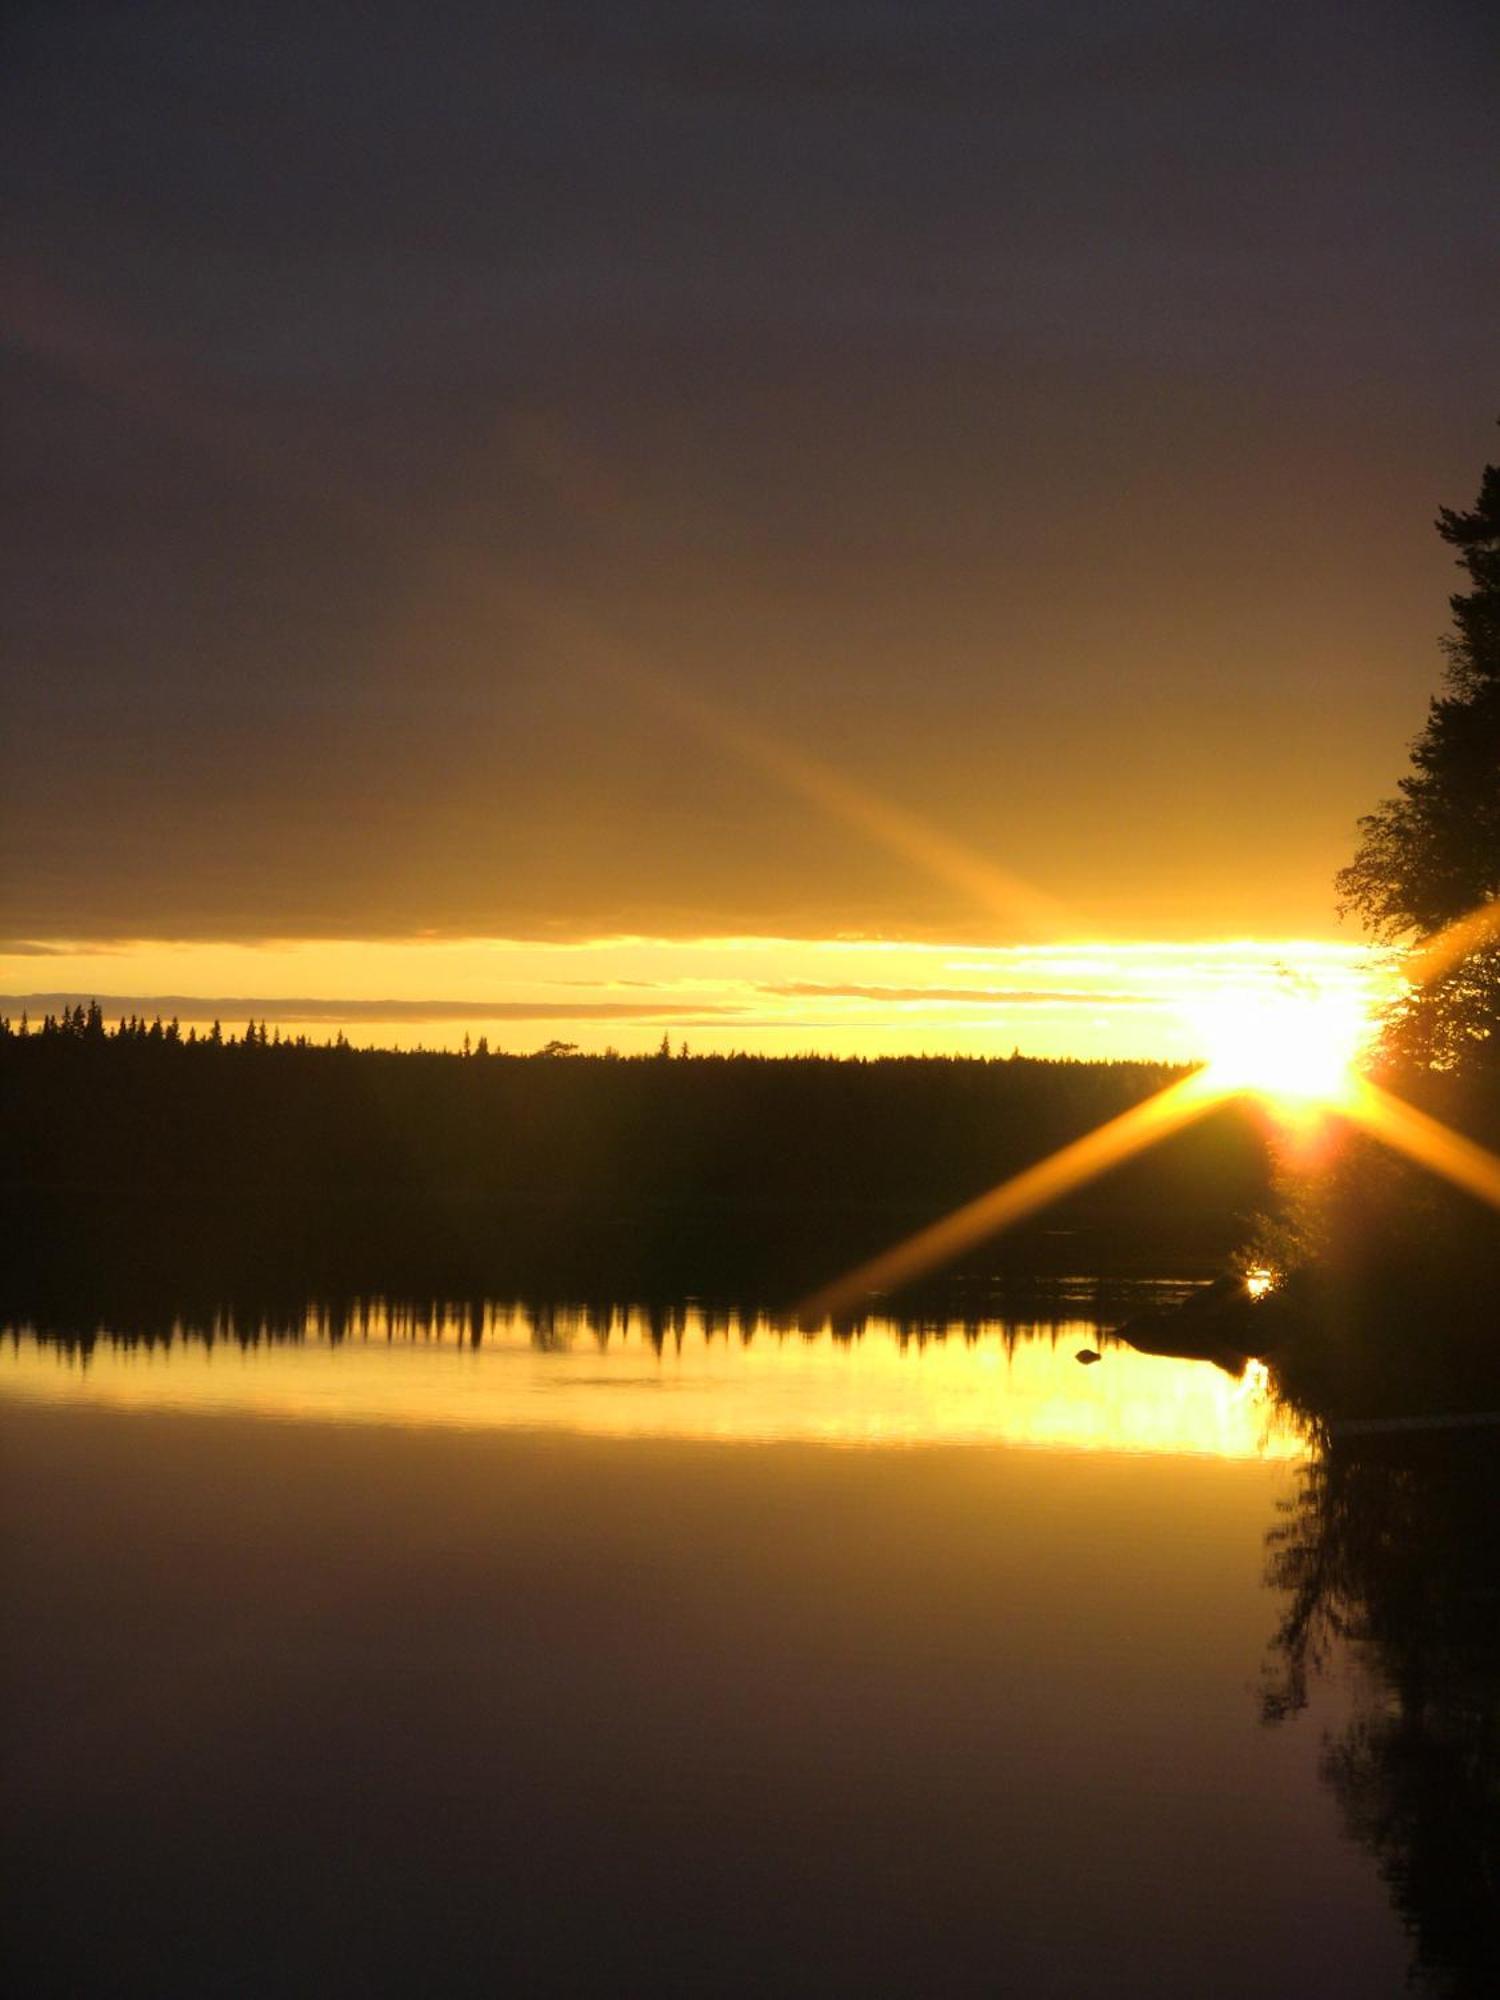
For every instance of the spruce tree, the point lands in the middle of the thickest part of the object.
(1431, 857)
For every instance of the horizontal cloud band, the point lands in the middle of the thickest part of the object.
(991, 996)
(195, 1007)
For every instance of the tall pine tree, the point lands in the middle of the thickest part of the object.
(1432, 856)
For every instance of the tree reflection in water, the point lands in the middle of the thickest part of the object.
(1392, 1546)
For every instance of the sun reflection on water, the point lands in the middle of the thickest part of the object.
(726, 1381)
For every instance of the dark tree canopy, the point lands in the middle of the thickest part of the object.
(1432, 855)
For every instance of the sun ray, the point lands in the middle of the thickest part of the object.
(1424, 1139)
(900, 831)
(1035, 1187)
(1440, 953)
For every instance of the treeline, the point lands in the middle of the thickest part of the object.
(140, 1105)
(643, 1175)
(1040, 1309)
(88, 1024)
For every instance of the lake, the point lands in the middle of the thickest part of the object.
(498, 1649)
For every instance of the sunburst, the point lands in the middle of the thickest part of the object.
(1295, 1050)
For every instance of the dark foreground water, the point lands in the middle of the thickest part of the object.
(530, 1654)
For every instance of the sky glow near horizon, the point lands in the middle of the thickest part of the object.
(687, 472)
(1112, 999)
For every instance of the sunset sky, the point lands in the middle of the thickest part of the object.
(833, 526)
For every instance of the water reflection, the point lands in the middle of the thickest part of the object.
(1389, 1549)
(463, 1662)
(686, 1372)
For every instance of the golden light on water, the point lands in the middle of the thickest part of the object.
(885, 1388)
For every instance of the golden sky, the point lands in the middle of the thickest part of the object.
(954, 480)
(772, 995)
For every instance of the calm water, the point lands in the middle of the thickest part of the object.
(503, 1652)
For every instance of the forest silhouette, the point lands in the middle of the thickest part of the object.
(143, 1158)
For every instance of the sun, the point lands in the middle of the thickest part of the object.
(1293, 1043)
